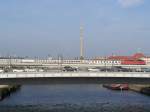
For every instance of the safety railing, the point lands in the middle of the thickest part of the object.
(75, 74)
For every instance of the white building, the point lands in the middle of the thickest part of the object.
(147, 60)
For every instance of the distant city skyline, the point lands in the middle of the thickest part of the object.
(52, 27)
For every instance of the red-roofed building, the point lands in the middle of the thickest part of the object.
(138, 55)
(130, 60)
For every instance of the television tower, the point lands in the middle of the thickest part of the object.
(81, 42)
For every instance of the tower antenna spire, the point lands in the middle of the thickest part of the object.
(81, 42)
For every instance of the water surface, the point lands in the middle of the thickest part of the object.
(74, 98)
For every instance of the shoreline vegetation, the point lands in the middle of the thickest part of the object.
(144, 89)
(7, 90)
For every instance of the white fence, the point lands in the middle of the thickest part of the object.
(75, 74)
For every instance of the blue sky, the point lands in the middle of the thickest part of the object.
(42, 27)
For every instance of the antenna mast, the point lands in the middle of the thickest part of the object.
(81, 42)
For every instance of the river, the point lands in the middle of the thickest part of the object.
(74, 98)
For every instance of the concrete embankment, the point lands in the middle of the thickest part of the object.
(6, 90)
(145, 89)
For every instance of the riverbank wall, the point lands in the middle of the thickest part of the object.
(145, 89)
(6, 90)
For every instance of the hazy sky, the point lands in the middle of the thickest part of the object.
(42, 27)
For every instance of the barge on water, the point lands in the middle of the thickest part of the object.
(116, 86)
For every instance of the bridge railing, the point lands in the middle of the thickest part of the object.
(76, 74)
